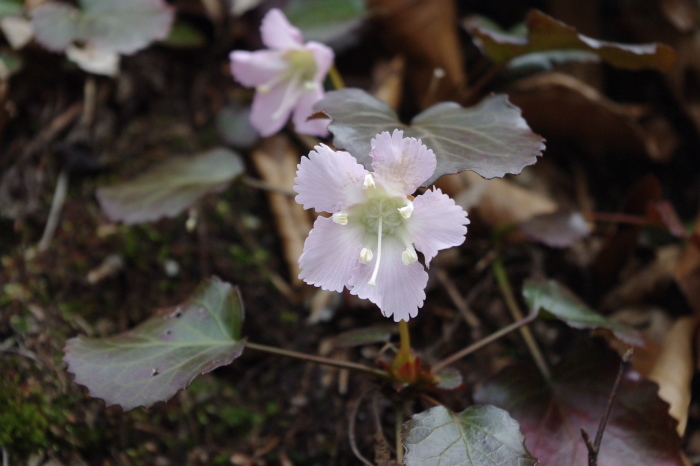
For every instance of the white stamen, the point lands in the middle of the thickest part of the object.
(369, 181)
(263, 88)
(409, 256)
(366, 256)
(373, 280)
(309, 85)
(340, 218)
(406, 210)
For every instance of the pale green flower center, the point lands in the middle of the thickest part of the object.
(378, 209)
(302, 64)
(380, 215)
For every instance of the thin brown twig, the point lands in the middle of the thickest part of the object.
(483, 342)
(351, 427)
(594, 447)
(456, 298)
(265, 186)
(377, 419)
(59, 198)
(431, 400)
(616, 217)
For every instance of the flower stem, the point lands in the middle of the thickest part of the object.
(502, 279)
(336, 78)
(399, 428)
(318, 359)
(483, 342)
(404, 353)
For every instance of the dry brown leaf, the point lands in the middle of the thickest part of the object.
(683, 14)
(668, 357)
(674, 368)
(668, 21)
(387, 77)
(498, 202)
(688, 273)
(555, 104)
(620, 244)
(647, 281)
(653, 323)
(586, 18)
(276, 160)
(426, 32)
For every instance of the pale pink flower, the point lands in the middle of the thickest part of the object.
(287, 78)
(369, 243)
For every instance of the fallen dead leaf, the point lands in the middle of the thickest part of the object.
(674, 368)
(645, 282)
(554, 104)
(653, 323)
(683, 14)
(498, 202)
(669, 21)
(426, 33)
(276, 160)
(668, 356)
(387, 77)
(545, 33)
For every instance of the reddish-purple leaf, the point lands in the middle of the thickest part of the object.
(164, 354)
(551, 415)
(491, 138)
(557, 229)
(547, 34)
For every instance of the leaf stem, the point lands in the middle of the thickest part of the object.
(318, 359)
(399, 428)
(483, 342)
(336, 78)
(504, 284)
(594, 447)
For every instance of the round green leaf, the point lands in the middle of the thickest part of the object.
(491, 138)
(164, 354)
(479, 435)
(327, 21)
(170, 188)
(123, 26)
